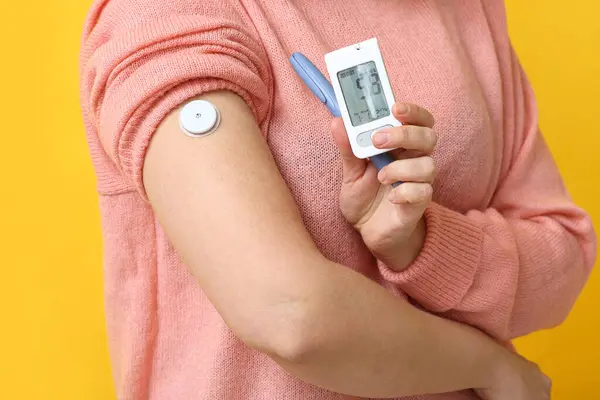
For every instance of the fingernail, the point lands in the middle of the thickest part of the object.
(392, 196)
(380, 138)
(402, 108)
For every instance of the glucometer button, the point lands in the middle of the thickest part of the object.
(365, 139)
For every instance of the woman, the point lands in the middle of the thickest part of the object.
(284, 296)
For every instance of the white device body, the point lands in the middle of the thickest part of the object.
(353, 65)
(199, 118)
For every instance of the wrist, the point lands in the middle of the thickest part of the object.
(407, 252)
(495, 366)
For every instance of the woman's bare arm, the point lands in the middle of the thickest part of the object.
(228, 212)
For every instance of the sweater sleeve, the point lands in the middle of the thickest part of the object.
(140, 59)
(517, 266)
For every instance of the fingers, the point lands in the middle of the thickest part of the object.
(416, 173)
(409, 137)
(412, 193)
(412, 114)
(548, 383)
(353, 167)
(415, 134)
(421, 169)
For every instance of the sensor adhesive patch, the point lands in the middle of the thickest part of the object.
(199, 118)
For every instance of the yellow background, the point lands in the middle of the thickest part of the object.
(52, 339)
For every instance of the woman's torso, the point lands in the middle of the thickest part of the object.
(166, 339)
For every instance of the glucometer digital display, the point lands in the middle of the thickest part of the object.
(363, 93)
(324, 91)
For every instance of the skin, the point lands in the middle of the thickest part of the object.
(391, 220)
(320, 321)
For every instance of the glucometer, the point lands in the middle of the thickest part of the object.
(364, 94)
(361, 95)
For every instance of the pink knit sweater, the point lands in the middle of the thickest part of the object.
(506, 249)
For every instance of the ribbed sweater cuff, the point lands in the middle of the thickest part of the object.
(443, 272)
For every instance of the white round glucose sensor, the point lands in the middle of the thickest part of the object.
(199, 118)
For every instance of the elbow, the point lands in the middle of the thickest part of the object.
(283, 335)
(285, 348)
(549, 308)
(287, 342)
(293, 322)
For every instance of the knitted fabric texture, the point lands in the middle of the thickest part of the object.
(506, 250)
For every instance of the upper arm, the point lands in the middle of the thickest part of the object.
(225, 207)
(220, 199)
(140, 59)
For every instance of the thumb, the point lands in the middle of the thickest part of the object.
(353, 167)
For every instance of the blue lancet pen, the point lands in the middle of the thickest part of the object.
(321, 87)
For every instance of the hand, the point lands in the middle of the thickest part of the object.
(391, 220)
(518, 379)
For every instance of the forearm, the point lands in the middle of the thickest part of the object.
(239, 231)
(530, 229)
(364, 342)
(544, 268)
